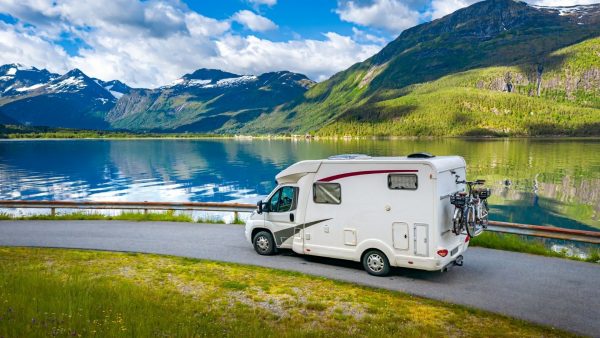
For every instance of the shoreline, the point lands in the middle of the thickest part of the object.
(309, 139)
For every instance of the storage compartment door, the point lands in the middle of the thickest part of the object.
(421, 240)
(350, 237)
(400, 235)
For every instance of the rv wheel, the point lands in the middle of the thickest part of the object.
(264, 243)
(376, 263)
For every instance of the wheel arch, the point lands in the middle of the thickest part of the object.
(376, 245)
(257, 230)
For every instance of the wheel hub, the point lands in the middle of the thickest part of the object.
(375, 262)
(262, 243)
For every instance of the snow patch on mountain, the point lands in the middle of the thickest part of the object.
(209, 83)
(175, 83)
(70, 83)
(20, 66)
(565, 10)
(197, 82)
(117, 95)
(34, 87)
(579, 11)
(11, 71)
(236, 81)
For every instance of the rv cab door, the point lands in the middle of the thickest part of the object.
(281, 215)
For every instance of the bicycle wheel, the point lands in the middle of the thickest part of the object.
(457, 221)
(471, 222)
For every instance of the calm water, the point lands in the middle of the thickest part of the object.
(551, 181)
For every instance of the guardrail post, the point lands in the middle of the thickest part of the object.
(145, 211)
(235, 217)
(52, 212)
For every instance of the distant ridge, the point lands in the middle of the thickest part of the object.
(204, 100)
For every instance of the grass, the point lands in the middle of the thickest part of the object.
(168, 216)
(510, 242)
(52, 292)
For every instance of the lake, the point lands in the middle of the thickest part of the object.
(535, 181)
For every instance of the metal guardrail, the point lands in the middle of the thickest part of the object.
(591, 237)
(145, 206)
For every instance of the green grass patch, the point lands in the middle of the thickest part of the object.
(510, 242)
(169, 216)
(59, 292)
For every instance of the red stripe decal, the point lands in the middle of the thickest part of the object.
(367, 172)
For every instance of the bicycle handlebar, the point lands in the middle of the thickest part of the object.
(477, 182)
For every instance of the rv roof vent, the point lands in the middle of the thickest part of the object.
(350, 157)
(420, 155)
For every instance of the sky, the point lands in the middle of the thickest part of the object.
(150, 43)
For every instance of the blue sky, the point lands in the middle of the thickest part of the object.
(153, 42)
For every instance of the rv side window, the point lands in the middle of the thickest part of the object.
(402, 182)
(327, 193)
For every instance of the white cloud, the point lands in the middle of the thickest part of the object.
(264, 2)
(150, 43)
(440, 8)
(391, 15)
(318, 59)
(18, 45)
(253, 21)
(360, 35)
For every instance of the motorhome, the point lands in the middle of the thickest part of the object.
(381, 211)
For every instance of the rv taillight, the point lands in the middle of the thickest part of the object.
(467, 239)
(443, 252)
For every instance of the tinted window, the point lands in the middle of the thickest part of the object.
(327, 193)
(283, 200)
(274, 202)
(402, 182)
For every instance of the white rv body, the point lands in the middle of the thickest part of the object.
(411, 226)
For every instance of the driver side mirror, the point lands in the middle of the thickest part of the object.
(259, 206)
(262, 207)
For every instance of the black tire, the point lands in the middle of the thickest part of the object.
(264, 243)
(471, 222)
(376, 263)
(457, 222)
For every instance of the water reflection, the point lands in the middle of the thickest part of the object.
(551, 181)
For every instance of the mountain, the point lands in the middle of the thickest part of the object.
(207, 100)
(449, 77)
(497, 67)
(115, 87)
(6, 120)
(37, 97)
(16, 79)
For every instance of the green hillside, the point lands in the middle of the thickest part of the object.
(474, 72)
(470, 103)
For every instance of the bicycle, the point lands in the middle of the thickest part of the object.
(471, 208)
